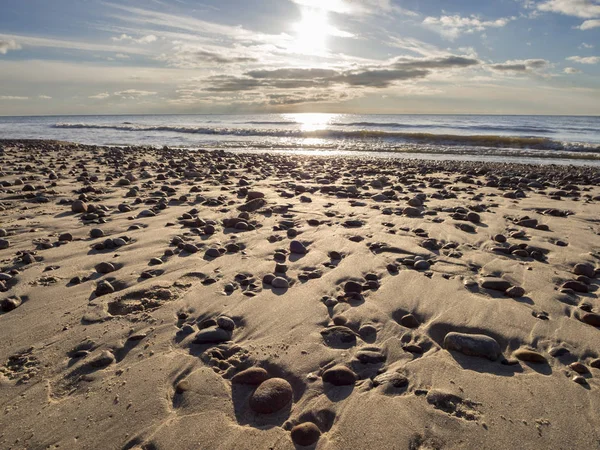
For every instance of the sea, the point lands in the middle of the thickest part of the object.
(568, 140)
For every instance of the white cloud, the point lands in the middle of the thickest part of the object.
(584, 45)
(584, 59)
(44, 97)
(121, 56)
(572, 70)
(353, 7)
(35, 41)
(12, 97)
(589, 24)
(9, 44)
(523, 66)
(100, 96)
(585, 9)
(134, 94)
(453, 26)
(142, 40)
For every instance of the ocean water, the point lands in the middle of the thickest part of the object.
(532, 139)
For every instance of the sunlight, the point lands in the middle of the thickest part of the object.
(311, 32)
(311, 121)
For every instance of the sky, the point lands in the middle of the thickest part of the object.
(339, 56)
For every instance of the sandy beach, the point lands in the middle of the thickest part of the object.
(164, 299)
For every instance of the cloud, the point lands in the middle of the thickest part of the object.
(584, 9)
(35, 41)
(584, 59)
(584, 45)
(44, 97)
(571, 70)
(516, 66)
(453, 26)
(134, 94)
(100, 96)
(356, 8)
(12, 97)
(122, 56)
(589, 24)
(192, 56)
(9, 44)
(377, 76)
(142, 40)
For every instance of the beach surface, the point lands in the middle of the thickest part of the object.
(179, 299)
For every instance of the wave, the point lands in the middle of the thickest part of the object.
(497, 141)
(523, 129)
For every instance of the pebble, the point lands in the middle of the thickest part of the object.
(352, 287)
(104, 287)
(225, 323)
(213, 253)
(421, 265)
(10, 304)
(495, 284)
(473, 345)
(339, 376)
(3, 232)
(577, 286)
(591, 319)
(298, 248)
(105, 267)
(305, 434)
(409, 321)
(271, 396)
(96, 233)
(253, 376)
(280, 283)
(212, 335)
(515, 292)
(531, 356)
(584, 269)
(4, 244)
(105, 359)
(579, 368)
(79, 206)
(65, 237)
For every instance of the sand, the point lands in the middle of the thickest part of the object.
(172, 299)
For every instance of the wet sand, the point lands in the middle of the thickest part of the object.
(174, 299)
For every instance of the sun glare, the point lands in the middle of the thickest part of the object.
(311, 121)
(311, 32)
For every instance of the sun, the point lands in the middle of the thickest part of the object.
(311, 32)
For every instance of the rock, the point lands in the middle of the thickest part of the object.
(352, 287)
(104, 287)
(190, 248)
(298, 248)
(531, 356)
(213, 253)
(584, 269)
(10, 304)
(305, 434)
(255, 194)
(473, 345)
(473, 217)
(105, 267)
(78, 206)
(280, 283)
(253, 205)
(515, 292)
(253, 376)
(591, 319)
(495, 284)
(4, 244)
(212, 335)
(409, 321)
(339, 336)
(225, 323)
(65, 237)
(421, 265)
(3, 232)
(579, 368)
(579, 379)
(105, 359)
(96, 233)
(411, 211)
(339, 376)
(577, 286)
(500, 238)
(271, 396)
(392, 379)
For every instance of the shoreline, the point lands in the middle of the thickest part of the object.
(175, 299)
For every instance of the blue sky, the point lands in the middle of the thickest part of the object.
(368, 56)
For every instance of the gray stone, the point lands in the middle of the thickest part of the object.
(473, 345)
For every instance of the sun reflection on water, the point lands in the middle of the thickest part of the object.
(312, 121)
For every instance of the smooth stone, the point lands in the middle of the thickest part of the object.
(212, 335)
(105, 359)
(298, 248)
(500, 238)
(105, 267)
(305, 434)
(591, 319)
(280, 283)
(584, 269)
(495, 284)
(531, 356)
(253, 205)
(253, 376)
(577, 286)
(10, 304)
(473, 345)
(409, 321)
(213, 253)
(96, 233)
(271, 396)
(473, 217)
(225, 323)
(65, 237)
(3, 232)
(79, 206)
(352, 287)
(421, 265)
(4, 244)
(104, 287)
(339, 376)
(579, 368)
(515, 292)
